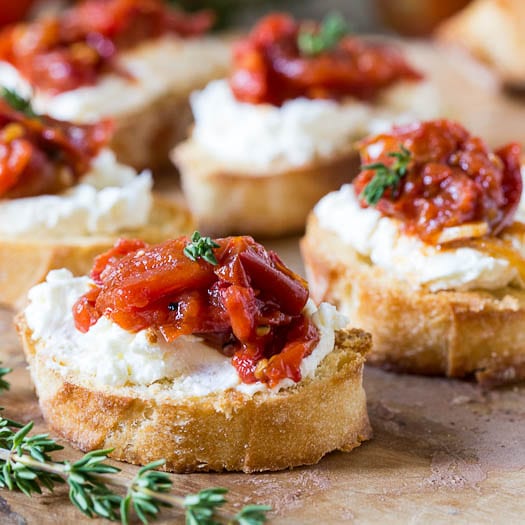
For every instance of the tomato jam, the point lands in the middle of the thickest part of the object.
(249, 305)
(452, 178)
(73, 49)
(40, 155)
(270, 67)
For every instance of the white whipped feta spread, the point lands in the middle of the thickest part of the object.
(301, 130)
(108, 355)
(158, 66)
(406, 256)
(110, 198)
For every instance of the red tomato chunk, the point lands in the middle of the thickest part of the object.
(41, 155)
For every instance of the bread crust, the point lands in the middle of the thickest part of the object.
(492, 31)
(221, 431)
(225, 200)
(25, 262)
(143, 138)
(457, 334)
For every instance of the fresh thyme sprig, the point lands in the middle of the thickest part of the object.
(26, 464)
(311, 41)
(201, 248)
(4, 385)
(17, 102)
(144, 491)
(385, 176)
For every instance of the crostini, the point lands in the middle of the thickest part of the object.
(135, 61)
(206, 353)
(64, 198)
(492, 31)
(279, 133)
(425, 250)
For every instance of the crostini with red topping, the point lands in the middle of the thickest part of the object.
(135, 61)
(279, 133)
(207, 353)
(426, 249)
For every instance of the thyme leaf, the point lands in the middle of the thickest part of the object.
(4, 385)
(312, 41)
(201, 248)
(385, 176)
(17, 102)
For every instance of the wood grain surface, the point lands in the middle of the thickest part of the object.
(443, 452)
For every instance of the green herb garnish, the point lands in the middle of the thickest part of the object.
(26, 465)
(385, 176)
(312, 41)
(201, 248)
(4, 385)
(17, 102)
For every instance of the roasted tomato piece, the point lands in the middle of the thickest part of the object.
(287, 289)
(451, 178)
(301, 340)
(249, 305)
(245, 362)
(148, 275)
(511, 183)
(270, 67)
(85, 312)
(106, 261)
(15, 157)
(40, 155)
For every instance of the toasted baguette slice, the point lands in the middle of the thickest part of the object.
(492, 30)
(457, 334)
(226, 201)
(25, 262)
(221, 431)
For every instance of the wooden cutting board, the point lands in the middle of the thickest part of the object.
(443, 451)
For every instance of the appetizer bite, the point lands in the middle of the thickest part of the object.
(425, 250)
(492, 31)
(278, 134)
(207, 353)
(64, 198)
(133, 60)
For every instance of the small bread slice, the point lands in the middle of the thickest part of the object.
(492, 31)
(221, 431)
(228, 200)
(26, 261)
(457, 334)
